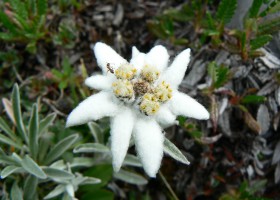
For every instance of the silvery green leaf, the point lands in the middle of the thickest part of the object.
(46, 122)
(170, 149)
(60, 148)
(91, 148)
(10, 170)
(58, 164)
(5, 127)
(90, 181)
(5, 140)
(6, 160)
(55, 192)
(96, 132)
(82, 162)
(132, 160)
(32, 167)
(44, 144)
(16, 158)
(57, 173)
(30, 186)
(17, 112)
(130, 177)
(33, 132)
(16, 192)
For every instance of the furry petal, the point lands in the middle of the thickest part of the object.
(105, 54)
(121, 130)
(149, 144)
(93, 108)
(138, 61)
(165, 117)
(100, 82)
(158, 57)
(182, 104)
(135, 52)
(176, 72)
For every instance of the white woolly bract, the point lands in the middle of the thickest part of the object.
(149, 144)
(182, 104)
(158, 57)
(135, 52)
(105, 54)
(121, 130)
(176, 72)
(93, 108)
(138, 61)
(100, 82)
(165, 117)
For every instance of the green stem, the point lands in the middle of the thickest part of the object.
(168, 186)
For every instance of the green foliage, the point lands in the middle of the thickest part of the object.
(219, 75)
(209, 26)
(24, 22)
(255, 8)
(31, 165)
(249, 99)
(226, 10)
(260, 41)
(246, 192)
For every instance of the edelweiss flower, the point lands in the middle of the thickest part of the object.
(141, 97)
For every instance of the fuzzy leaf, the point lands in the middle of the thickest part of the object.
(255, 8)
(96, 132)
(16, 192)
(170, 149)
(33, 132)
(9, 170)
(55, 192)
(17, 112)
(260, 41)
(57, 173)
(8, 141)
(46, 122)
(60, 148)
(30, 187)
(91, 148)
(132, 161)
(32, 167)
(226, 10)
(130, 177)
(5, 127)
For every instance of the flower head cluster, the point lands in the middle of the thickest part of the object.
(141, 97)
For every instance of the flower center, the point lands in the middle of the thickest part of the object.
(144, 87)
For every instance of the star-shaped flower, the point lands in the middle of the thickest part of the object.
(140, 97)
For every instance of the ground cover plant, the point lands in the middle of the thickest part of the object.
(233, 71)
